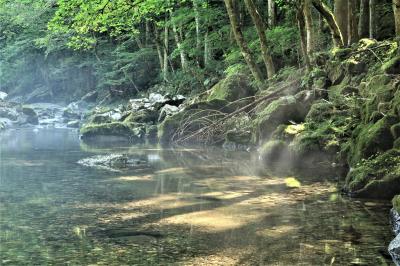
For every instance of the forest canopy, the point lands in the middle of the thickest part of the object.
(63, 49)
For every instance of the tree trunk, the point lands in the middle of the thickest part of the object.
(372, 18)
(179, 45)
(260, 27)
(197, 21)
(158, 47)
(353, 9)
(342, 18)
(147, 35)
(363, 22)
(330, 19)
(308, 26)
(303, 34)
(207, 53)
(237, 32)
(396, 10)
(166, 42)
(271, 13)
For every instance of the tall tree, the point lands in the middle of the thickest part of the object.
(372, 18)
(341, 12)
(352, 29)
(260, 27)
(241, 42)
(271, 13)
(363, 22)
(396, 10)
(308, 25)
(324, 10)
(303, 35)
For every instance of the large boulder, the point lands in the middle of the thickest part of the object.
(126, 131)
(283, 111)
(31, 115)
(190, 119)
(232, 88)
(376, 177)
(370, 139)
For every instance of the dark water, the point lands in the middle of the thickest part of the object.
(181, 207)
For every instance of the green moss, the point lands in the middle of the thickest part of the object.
(129, 131)
(142, 116)
(341, 53)
(232, 88)
(373, 138)
(396, 203)
(376, 177)
(395, 130)
(392, 66)
(242, 137)
(320, 111)
(273, 150)
(278, 112)
(380, 89)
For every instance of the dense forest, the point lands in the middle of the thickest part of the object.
(308, 85)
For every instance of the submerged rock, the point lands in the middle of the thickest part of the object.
(113, 162)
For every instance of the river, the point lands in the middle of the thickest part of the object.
(181, 206)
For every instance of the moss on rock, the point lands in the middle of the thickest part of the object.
(372, 138)
(129, 131)
(392, 66)
(273, 151)
(282, 111)
(232, 88)
(376, 177)
(396, 203)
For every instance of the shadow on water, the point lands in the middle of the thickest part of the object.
(189, 206)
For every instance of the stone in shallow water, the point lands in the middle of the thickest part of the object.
(394, 250)
(113, 162)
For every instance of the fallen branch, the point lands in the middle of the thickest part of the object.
(243, 109)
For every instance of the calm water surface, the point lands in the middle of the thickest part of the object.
(179, 207)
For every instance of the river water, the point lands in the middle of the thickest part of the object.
(182, 206)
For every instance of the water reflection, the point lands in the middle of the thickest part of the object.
(189, 207)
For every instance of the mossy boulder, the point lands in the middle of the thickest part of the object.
(376, 177)
(99, 119)
(379, 90)
(274, 151)
(31, 115)
(151, 133)
(282, 111)
(232, 88)
(392, 67)
(142, 116)
(395, 130)
(128, 131)
(372, 138)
